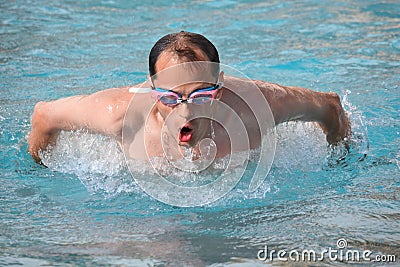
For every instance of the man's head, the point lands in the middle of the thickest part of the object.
(185, 63)
(184, 47)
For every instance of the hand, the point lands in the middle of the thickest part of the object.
(335, 123)
(41, 134)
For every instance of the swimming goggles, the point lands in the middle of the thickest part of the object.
(199, 96)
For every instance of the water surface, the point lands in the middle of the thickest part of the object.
(85, 210)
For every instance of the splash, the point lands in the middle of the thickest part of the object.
(99, 164)
(300, 146)
(95, 159)
(356, 147)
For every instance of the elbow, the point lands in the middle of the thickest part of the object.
(38, 109)
(40, 116)
(334, 98)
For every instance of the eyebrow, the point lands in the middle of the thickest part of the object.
(201, 86)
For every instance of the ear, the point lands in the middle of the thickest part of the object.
(149, 82)
(221, 77)
(221, 80)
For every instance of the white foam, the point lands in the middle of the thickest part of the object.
(95, 159)
(300, 145)
(99, 162)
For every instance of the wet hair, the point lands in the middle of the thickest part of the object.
(183, 45)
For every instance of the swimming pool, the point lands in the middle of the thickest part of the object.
(85, 210)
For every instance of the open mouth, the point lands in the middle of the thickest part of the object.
(186, 133)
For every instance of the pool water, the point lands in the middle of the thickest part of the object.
(86, 210)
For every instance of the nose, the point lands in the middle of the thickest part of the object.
(183, 110)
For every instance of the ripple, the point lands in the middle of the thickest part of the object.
(396, 44)
(384, 10)
(86, 210)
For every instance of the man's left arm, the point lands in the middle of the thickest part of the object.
(300, 104)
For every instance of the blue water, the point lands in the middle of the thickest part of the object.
(85, 209)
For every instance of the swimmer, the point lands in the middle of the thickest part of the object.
(103, 112)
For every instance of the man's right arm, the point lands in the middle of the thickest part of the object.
(101, 112)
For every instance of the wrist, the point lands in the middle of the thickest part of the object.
(41, 133)
(334, 120)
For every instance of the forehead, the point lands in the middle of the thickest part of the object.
(172, 72)
(169, 57)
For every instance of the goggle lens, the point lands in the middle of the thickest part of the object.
(168, 99)
(200, 96)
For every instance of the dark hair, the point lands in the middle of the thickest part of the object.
(183, 44)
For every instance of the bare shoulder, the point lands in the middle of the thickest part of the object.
(267, 88)
(234, 82)
(115, 100)
(120, 94)
(101, 112)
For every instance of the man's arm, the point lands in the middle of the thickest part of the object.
(300, 104)
(101, 112)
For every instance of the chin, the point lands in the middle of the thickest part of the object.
(185, 144)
